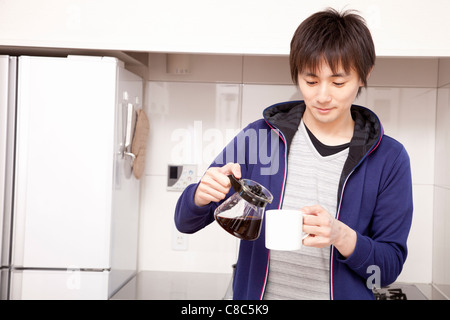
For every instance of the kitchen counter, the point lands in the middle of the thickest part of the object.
(410, 291)
(164, 285)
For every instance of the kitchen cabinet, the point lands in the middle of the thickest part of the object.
(400, 28)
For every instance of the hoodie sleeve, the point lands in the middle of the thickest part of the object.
(190, 218)
(242, 149)
(384, 247)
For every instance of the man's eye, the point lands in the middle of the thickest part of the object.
(338, 84)
(311, 83)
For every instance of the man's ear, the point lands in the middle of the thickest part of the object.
(368, 76)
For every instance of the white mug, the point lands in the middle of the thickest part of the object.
(284, 229)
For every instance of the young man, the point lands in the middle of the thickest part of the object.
(328, 158)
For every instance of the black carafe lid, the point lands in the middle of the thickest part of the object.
(251, 191)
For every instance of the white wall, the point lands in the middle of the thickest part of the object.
(401, 91)
(441, 240)
(183, 118)
(400, 28)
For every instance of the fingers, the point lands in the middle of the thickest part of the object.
(313, 220)
(205, 194)
(318, 223)
(218, 176)
(216, 180)
(316, 216)
(231, 168)
(215, 184)
(316, 209)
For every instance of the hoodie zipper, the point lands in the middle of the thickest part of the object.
(332, 246)
(340, 204)
(283, 138)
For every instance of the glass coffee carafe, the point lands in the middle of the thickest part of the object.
(242, 214)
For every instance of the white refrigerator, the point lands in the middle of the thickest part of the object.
(68, 199)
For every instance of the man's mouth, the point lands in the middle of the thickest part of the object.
(323, 110)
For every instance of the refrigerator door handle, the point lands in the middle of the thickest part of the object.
(132, 157)
(130, 124)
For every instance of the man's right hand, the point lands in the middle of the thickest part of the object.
(215, 184)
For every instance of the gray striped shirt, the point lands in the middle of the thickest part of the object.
(312, 179)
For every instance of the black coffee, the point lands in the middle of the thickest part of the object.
(246, 229)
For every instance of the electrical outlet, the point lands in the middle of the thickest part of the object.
(179, 240)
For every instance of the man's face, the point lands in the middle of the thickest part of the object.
(328, 96)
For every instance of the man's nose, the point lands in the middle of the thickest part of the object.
(323, 95)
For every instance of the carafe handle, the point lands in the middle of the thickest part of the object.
(237, 186)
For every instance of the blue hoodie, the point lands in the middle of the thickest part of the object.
(374, 199)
